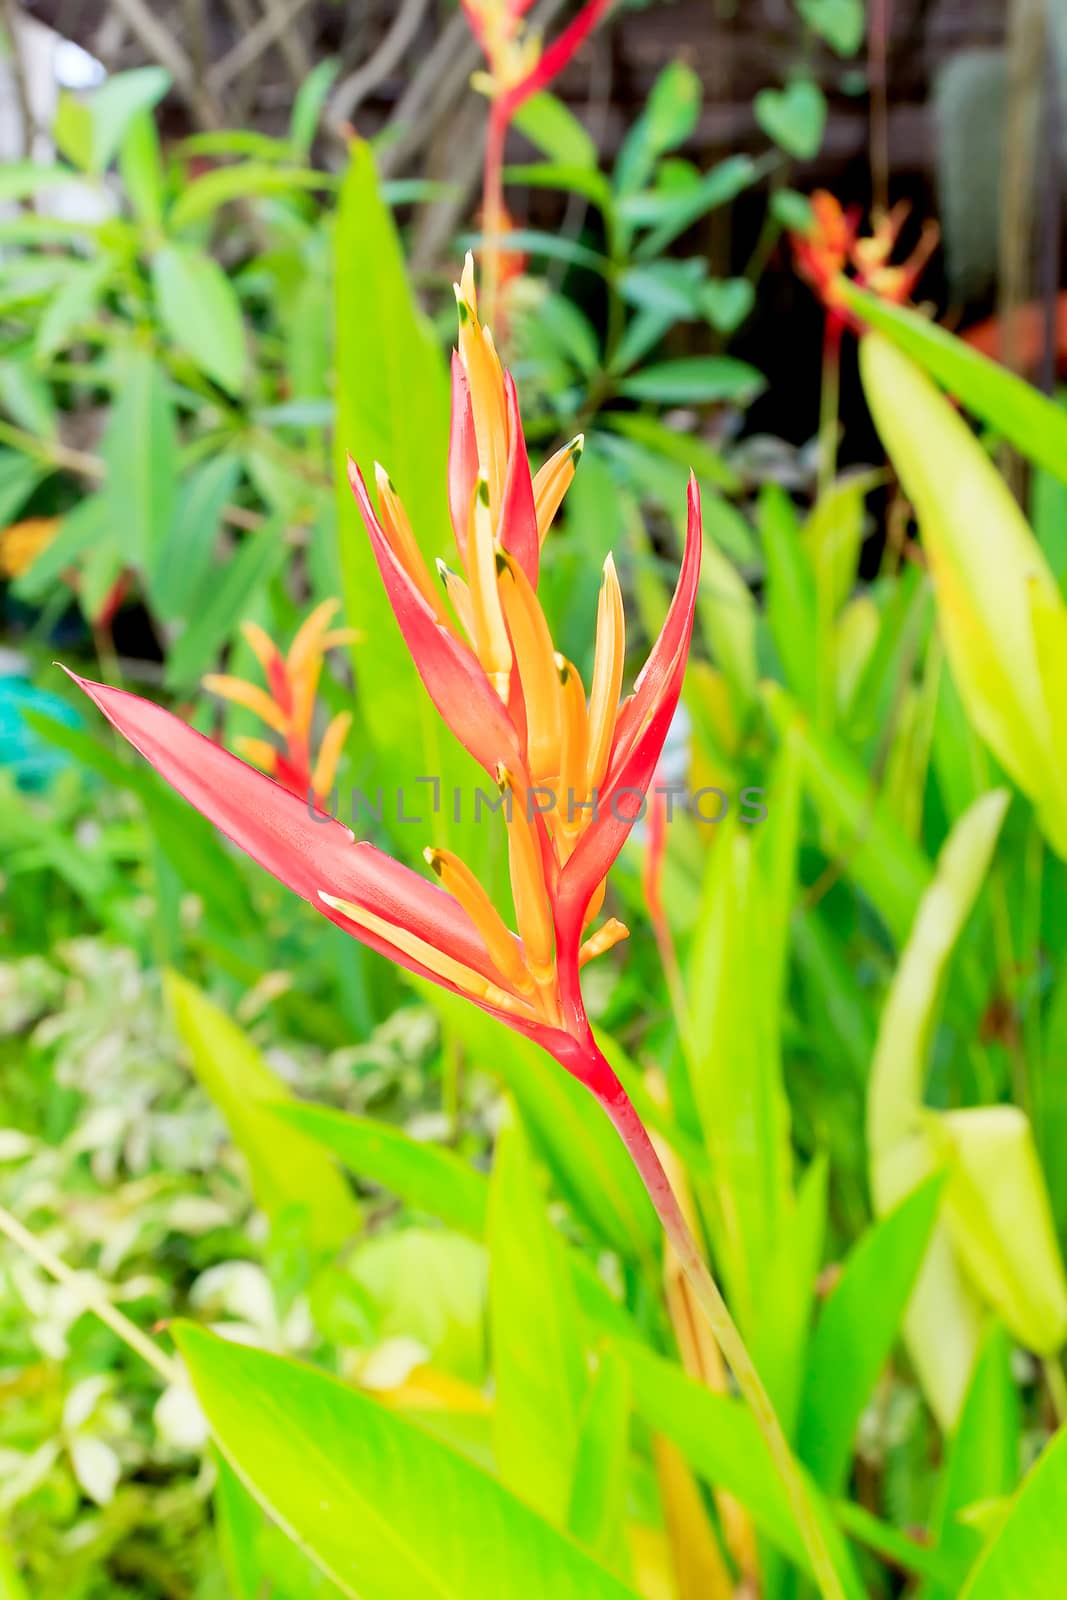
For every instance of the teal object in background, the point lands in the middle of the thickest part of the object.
(22, 750)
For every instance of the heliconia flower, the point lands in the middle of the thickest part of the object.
(573, 773)
(287, 704)
(517, 68)
(834, 247)
(572, 769)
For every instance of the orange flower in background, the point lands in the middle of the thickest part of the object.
(833, 247)
(287, 704)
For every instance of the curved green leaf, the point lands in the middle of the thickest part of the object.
(387, 1512)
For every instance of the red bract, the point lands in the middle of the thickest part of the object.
(573, 771)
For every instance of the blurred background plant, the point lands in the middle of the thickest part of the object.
(211, 284)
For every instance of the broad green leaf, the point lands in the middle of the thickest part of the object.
(21, 179)
(943, 1318)
(247, 180)
(19, 477)
(998, 1214)
(857, 1329)
(72, 305)
(733, 1049)
(721, 1440)
(791, 601)
(539, 1380)
(114, 105)
(289, 1172)
(386, 1511)
(429, 1285)
(598, 1504)
(572, 179)
(141, 167)
(259, 1562)
(140, 449)
(982, 1460)
(28, 399)
(833, 535)
(993, 587)
(556, 131)
(858, 829)
(1030, 421)
(726, 302)
(673, 106)
(72, 130)
(81, 528)
(569, 1130)
(184, 572)
(666, 287)
(255, 562)
(695, 380)
(674, 212)
(794, 117)
(393, 407)
(1029, 1555)
(11, 1585)
(425, 1176)
(728, 617)
(839, 22)
(694, 455)
(200, 311)
(309, 104)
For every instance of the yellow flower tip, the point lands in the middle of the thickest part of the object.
(428, 956)
(467, 284)
(491, 642)
(249, 695)
(333, 743)
(259, 752)
(612, 933)
(261, 645)
(501, 944)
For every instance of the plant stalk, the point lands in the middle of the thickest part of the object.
(90, 1296)
(632, 1132)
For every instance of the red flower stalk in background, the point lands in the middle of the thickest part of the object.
(833, 248)
(573, 772)
(287, 704)
(517, 69)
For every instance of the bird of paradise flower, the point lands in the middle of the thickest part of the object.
(520, 708)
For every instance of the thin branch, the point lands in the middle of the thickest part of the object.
(165, 49)
(255, 42)
(351, 92)
(18, 73)
(91, 1297)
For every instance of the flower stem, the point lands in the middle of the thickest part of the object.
(90, 1296)
(632, 1132)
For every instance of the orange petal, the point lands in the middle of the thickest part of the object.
(333, 742)
(607, 675)
(242, 693)
(506, 953)
(552, 481)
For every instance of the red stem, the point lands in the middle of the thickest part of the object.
(616, 1102)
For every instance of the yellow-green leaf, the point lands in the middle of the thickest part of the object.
(289, 1172)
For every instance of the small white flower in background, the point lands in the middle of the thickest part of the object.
(179, 1420)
